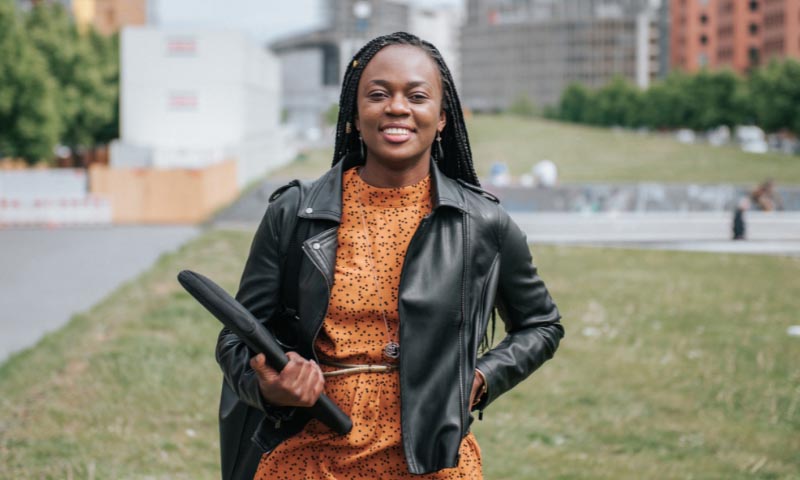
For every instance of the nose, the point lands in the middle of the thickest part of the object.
(398, 105)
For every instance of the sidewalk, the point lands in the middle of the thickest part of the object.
(775, 233)
(50, 274)
(767, 233)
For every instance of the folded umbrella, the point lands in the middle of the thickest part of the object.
(240, 321)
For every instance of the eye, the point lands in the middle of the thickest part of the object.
(418, 97)
(376, 95)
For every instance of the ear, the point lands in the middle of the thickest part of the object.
(442, 120)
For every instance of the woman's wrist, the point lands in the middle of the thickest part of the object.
(484, 389)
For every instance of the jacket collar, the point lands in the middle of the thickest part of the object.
(324, 197)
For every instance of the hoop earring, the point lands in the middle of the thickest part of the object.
(439, 149)
(363, 154)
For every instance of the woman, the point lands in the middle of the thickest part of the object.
(404, 259)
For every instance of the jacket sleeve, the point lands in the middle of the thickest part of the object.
(259, 292)
(532, 321)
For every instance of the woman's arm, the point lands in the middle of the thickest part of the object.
(531, 318)
(300, 383)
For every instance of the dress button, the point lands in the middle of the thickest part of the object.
(315, 246)
(309, 210)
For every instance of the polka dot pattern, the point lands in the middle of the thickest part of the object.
(354, 331)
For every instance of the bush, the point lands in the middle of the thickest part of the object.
(699, 101)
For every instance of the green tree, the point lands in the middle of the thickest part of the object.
(617, 103)
(106, 50)
(774, 91)
(713, 100)
(82, 67)
(667, 104)
(29, 121)
(573, 103)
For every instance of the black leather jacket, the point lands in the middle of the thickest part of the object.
(466, 257)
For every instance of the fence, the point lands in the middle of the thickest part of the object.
(49, 197)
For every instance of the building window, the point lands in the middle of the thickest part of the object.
(330, 65)
(753, 5)
(754, 55)
(703, 39)
(753, 29)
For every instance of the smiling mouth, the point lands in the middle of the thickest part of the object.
(396, 131)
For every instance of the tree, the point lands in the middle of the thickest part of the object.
(713, 100)
(667, 104)
(106, 49)
(83, 67)
(29, 121)
(775, 96)
(617, 103)
(573, 103)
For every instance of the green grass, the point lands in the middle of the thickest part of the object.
(675, 365)
(588, 154)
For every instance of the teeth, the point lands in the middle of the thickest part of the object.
(397, 131)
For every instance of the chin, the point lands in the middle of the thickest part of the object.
(399, 158)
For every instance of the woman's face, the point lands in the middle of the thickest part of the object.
(399, 106)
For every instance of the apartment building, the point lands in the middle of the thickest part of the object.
(535, 48)
(736, 34)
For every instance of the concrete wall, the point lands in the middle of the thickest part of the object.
(49, 197)
(634, 197)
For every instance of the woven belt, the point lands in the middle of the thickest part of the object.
(347, 369)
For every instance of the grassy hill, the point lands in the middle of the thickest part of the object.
(588, 154)
(675, 365)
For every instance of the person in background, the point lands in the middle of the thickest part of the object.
(765, 198)
(739, 226)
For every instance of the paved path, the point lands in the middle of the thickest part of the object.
(767, 233)
(655, 226)
(46, 276)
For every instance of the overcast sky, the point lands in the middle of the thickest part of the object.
(263, 19)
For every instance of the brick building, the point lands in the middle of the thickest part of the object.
(739, 34)
(109, 16)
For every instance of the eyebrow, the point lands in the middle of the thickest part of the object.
(417, 83)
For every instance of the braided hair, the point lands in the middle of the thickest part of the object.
(457, 161)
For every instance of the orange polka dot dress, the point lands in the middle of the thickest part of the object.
(377, 225)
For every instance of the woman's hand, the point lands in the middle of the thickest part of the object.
(477, 388)
(299, 384)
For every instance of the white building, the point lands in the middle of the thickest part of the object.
(192, 99)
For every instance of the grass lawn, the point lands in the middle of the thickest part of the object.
(588, 154)
(675, 365)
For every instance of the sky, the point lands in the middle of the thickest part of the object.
(263, 20)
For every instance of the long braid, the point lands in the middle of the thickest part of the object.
(457, 161)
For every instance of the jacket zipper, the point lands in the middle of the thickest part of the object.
(461, 385)
(423, 225)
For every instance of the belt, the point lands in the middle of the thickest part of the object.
(347, 369)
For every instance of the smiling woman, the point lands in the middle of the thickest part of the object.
(403, 259)
(399, 115)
